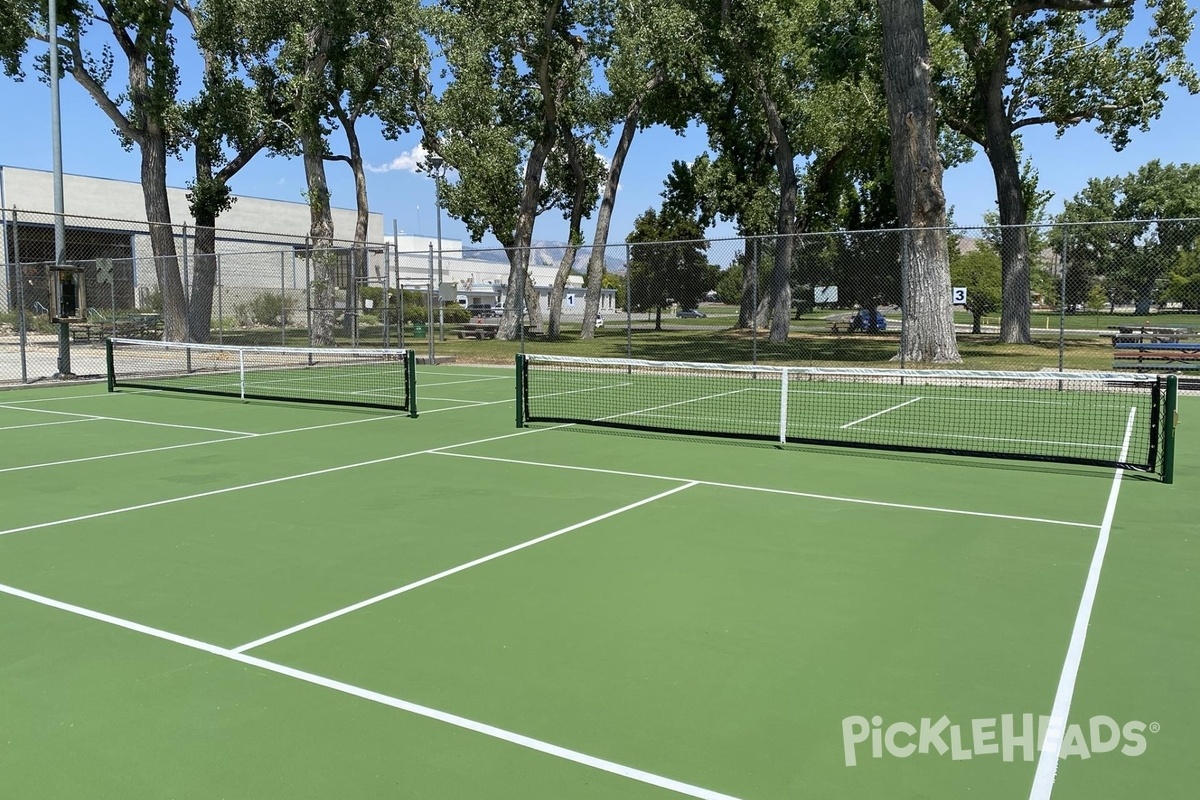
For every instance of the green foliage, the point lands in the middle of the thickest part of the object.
(669, 263)
(1183, 280)
(152, 302)
(613, 281)
(265, 308)
(729, 287)
(979, 272)
(1132, 261)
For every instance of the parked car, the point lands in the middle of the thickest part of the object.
(690, 313)
(862, 321)
(482, 311)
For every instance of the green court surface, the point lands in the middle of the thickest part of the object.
(205, 598)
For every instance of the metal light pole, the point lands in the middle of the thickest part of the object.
(60, 223)
(437, 166)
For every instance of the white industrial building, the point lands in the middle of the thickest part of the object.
(479, 281)
(260, 246)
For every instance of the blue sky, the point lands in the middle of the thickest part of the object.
(401, 194)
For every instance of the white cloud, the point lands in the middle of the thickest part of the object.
(408, 161)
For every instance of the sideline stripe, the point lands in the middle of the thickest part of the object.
(1047, 766)
(44, 424)
(454, 570)
(880, 413)
(767, 490)
(268, 482)
(377, 697)
(195, 444)
(136, 421)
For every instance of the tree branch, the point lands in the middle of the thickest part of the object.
(965, 128)
(1025, 9)
(1072, 119)
(333, 157)
(96, 90)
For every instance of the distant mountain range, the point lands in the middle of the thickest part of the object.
(549, 254)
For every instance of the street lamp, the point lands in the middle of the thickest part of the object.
(437, 166)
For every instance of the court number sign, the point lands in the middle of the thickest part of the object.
(960, 295)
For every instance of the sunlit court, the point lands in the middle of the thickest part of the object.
(205, 595)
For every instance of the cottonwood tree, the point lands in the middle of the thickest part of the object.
(1015, 64)
(330, 64)
(917, 172)
(143, 107)
(655, 64)
(513, 66)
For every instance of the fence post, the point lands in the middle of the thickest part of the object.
(1062, 304)
(20, 273)
(754, 303)
(282, 298)
(220, 303)
(387, 291)
(429, 308)
(905, 256)
(628, 301)
(308, 288)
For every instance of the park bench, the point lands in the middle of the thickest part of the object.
(1156, 350)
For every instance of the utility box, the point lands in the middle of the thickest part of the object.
(68, 302)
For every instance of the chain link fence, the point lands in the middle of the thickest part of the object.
(835, 299)
(223, 286)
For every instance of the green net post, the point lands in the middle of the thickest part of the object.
(1171, 417)
(410, 380)
(520, 390)
(108, 358)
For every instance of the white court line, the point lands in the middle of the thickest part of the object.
(137, 421)
(880, 413)
(446, 717)
(422, 385)
(454, 400)
(788, 492)
(454, 570)
(196, 444)
(44, 424)
(935, 434)
(19, 403)
(1047, 766)
(269, 482)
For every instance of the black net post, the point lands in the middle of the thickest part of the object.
(1170, 418)
(108, 359)
(520, 390)
(410, 381)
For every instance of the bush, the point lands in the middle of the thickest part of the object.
(456, 313)
(268, 308)
(34, 322)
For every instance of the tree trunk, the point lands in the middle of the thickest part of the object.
(518, 272)
(204, 278)
(362, 220)
(1014, 237)
(780, 287)
(162, 235)
(595, 271)
(320, 233)
(917, 170)
(574, 236)
(747, 312)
